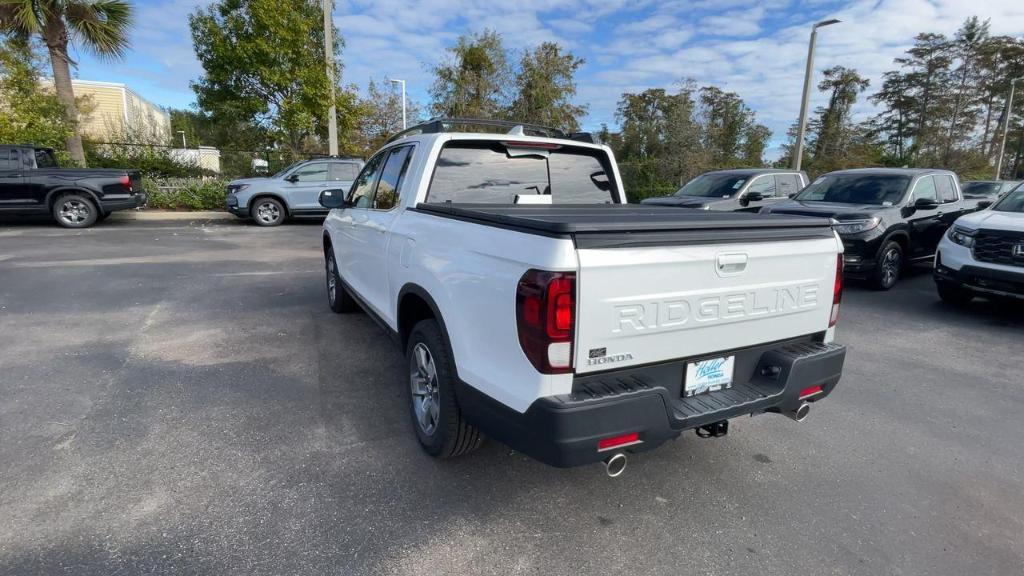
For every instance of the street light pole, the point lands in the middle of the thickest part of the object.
(402, 82)
(799, 153)
(332, 113)
(183, 145)
(1006, 127)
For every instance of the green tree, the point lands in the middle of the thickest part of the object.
(98, 26)
(832, 133)
(967, 48)
(263, 65)
(30, 113)
(894, 123)
(475, 80)
(545, 87)
(726, 124)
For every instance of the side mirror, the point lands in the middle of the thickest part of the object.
(601, 181)
(293, 178)
(754, 197)
(984, 204)
(334, 198)
(925, 204)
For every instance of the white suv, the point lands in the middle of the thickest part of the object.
(983, 253)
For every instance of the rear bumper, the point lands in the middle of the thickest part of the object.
(564, 430)
(111, 204)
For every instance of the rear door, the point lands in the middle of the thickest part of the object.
(639, 305)
(14, 189)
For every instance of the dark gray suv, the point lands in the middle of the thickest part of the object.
(738, 190)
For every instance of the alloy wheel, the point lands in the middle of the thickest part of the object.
(426, 399)
(890, 266)
(268, 213)
(74, 211)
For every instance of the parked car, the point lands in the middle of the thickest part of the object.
(888, 217)
(535, 306)
(742, 189)
(988, 189)
(31, 182)
(983, 253)
(292, 192)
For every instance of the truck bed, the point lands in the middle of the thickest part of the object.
(611, 225)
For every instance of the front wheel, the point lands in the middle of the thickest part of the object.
(436, 417)
(75, 211)
(337, 297)
(268, 212)
(887, 270)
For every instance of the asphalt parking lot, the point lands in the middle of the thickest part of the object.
(176, 398)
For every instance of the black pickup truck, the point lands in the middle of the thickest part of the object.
(31, 182)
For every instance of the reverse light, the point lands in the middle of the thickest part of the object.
(618, 441)
(857, 226)
(837, 292)
(961, 236)
(546, 319)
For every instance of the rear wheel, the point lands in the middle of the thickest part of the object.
(954, 294)
(75, 211)
(436, 417)
(268, 212)
(888, 268)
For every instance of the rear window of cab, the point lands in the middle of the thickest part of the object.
(499, 172)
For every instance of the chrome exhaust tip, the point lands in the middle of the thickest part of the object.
(800, 414)
(615, 465)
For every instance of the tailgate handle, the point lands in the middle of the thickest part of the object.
(732, 263)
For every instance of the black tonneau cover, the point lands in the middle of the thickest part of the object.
(618, 225)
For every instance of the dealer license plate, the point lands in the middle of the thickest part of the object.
(708, 375)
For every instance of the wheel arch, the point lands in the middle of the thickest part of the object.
(275, 196)
(53, 195)
(899, 236)
(416, 304)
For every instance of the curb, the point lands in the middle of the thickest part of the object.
(168, 215)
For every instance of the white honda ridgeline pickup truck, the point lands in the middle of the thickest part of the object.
(536, 306)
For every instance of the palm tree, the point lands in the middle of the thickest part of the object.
(99, 26)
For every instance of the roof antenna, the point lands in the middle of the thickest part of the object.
(516, 131)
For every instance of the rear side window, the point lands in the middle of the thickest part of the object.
(343, 171)
(496, 173)
(5, 159)
(946, 189)
(787, 184)
(45, 159)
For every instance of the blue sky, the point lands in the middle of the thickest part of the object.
(754, 48)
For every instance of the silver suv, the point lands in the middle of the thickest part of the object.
(292, 192)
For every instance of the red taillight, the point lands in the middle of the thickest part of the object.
(837, 292)
(807, 392)
(546, 319)
(126, 181)
(616, 441)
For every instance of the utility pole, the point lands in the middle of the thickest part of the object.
(805, 102)
(402, 82)
(1006, 128)
(332, 113)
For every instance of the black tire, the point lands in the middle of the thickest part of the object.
(954, 294)
(338, 298)
(75, 211)
(889, 266)
(268, 211)
(450, 434)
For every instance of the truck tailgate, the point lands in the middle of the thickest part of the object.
(651, 303)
